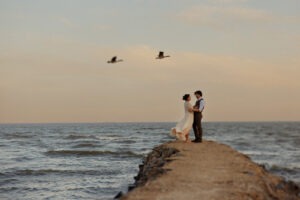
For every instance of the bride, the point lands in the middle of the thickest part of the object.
(183, 127)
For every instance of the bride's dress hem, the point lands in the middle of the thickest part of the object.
(184, 126)
(180, 135)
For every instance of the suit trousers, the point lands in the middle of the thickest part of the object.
(197, 126)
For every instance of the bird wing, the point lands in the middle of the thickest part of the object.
(114, 59)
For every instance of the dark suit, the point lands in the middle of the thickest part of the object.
(197, 122)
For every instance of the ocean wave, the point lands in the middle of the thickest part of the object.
(41, 172)
(18, 135)
(76, 137)
(127, 141)
(259, 153)
(5, 180)
(277, 168)
(86, 144)
(148, 128)
(91, 153)
(9, 189)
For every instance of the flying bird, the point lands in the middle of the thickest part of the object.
(161, 55)
(114, 60)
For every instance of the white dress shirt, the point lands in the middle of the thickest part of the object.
(202, 104)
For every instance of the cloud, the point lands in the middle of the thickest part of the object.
(291, 19)
(222, 17)
(67, 22)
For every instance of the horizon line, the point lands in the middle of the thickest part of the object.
(135, 122)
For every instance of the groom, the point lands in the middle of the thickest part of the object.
(198, 109)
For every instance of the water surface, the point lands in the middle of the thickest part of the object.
(96, 161)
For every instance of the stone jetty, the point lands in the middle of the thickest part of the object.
(206, 171)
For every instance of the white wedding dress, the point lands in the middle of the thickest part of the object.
(184, 126)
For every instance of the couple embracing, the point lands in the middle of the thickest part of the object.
(192, 119)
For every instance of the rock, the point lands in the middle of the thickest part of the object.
(119, 195)
(152, 166)
(292, 188)
(131, 187)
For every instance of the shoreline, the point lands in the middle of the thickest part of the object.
(209, 170)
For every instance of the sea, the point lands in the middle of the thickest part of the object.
(98, 160)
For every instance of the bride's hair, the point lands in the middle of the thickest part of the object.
(185, 97)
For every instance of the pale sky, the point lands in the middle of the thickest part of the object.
(243, 54)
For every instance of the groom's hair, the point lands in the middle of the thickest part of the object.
(198, 92)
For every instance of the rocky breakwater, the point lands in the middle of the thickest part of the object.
(152, 166)
(206, 171)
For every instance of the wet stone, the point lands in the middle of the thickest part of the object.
(119, 195)
(152, 166)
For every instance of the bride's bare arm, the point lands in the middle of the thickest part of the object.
(196, 110)
(191, 109)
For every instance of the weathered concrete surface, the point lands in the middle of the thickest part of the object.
(208, 171)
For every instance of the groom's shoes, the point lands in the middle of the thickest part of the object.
(197, 141)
